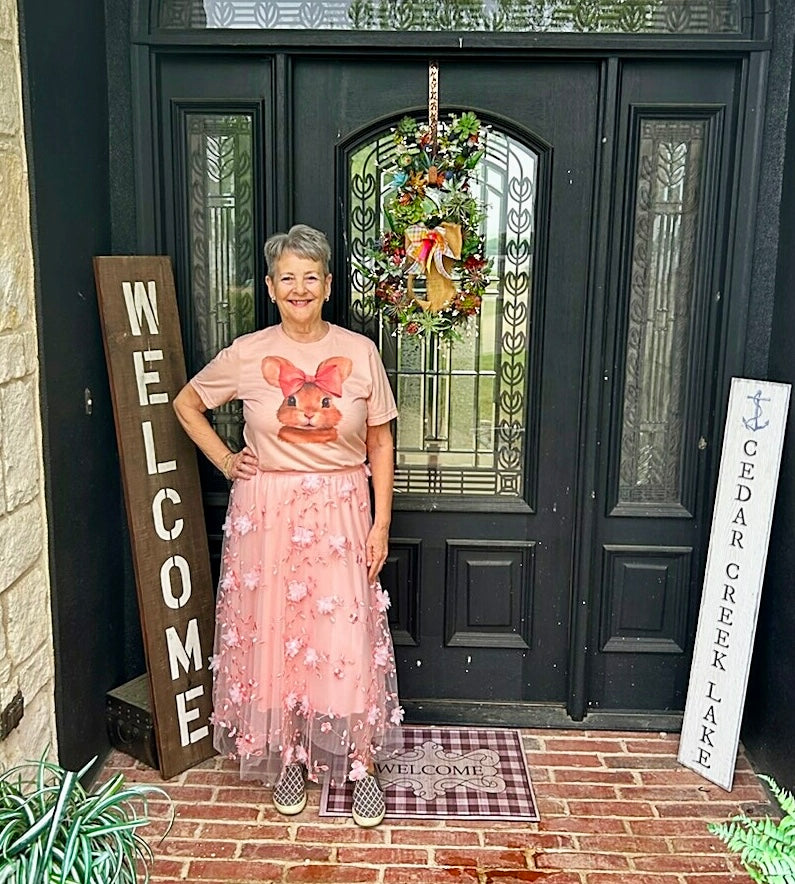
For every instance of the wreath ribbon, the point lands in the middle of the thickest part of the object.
(433, 252)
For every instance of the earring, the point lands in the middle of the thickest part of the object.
(273, 300)
(327, 297)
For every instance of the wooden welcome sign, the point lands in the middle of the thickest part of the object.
(146, 366)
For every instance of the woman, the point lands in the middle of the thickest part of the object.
(305, 682)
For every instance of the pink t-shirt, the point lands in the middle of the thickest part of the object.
(306, 406)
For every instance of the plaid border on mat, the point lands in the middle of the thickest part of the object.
(517, 802)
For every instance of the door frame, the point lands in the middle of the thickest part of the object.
(751, 53)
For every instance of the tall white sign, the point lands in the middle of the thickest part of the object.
(739, 537)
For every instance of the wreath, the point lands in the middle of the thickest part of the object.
(427, 272)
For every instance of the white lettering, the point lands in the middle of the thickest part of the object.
(185, 716)
(152, 465)
(143, 378)
(180, 654)
(141, 303)
(180, 563)
(157, 515)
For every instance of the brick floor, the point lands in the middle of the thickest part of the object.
(615, 807)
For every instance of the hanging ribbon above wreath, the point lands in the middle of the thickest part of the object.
(428, 271)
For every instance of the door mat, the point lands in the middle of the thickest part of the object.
(443, 772)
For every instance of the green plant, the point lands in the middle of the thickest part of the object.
(766, 847)
(52, 831)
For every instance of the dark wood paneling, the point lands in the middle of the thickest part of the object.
(646, 593)
(401, 579)
(489, 590)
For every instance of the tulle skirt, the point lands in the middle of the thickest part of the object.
(304, 669)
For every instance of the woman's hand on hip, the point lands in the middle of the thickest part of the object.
(377, 549)
(241, 465)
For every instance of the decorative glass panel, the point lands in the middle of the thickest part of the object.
(221, 243)
(668, 195)
(463, 407)
(605, 16)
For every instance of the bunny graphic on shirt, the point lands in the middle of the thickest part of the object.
(308, 413)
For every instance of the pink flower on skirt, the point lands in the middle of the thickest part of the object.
(338, 544)
(372, 715)
(231, 638)
(229, 581)
(311, 657)
(235, 693)
(292, 646)
(358, 771)
(382, 600)
(326, 604)
(291, 700)
(397, 715)
(325, 727)
(311, 484)
(303, 536)
(301, 755)
(243, 524)
(346, 489)
(251, 579)
(381, 655)
(296, 590)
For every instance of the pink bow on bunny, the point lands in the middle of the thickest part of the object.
(328, 378)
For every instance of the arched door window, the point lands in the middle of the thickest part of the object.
(464, 407)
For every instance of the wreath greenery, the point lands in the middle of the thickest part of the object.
(433, 231)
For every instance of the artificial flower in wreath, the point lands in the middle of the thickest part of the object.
(428, 270)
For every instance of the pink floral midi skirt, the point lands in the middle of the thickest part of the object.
(304, 669)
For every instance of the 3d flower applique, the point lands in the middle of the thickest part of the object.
(214, 662)
(229, 581)
(338, 544)
(251, 578)
(296, 590)
(227, 527)
(303, 537)
(382, 600)
(292, 646)
(325, 727)
(305, 706)
(243, 524)
(235, 691)
(312, 483)
(358, 771)
(291, 700)
(381, 655)
(311, 658)
(397, 715)
(373, 714)
(327, 604)
(231, 637)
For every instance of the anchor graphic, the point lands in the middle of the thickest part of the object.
(753, 423)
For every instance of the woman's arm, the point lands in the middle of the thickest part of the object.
(380, 454)
(190, 412)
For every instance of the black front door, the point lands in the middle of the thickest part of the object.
(552, 470)
(480, 571)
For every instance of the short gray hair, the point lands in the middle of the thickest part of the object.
(300, 239)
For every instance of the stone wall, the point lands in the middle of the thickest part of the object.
(26, 646)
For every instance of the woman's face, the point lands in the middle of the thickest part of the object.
(299, 288)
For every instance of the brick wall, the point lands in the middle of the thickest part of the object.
(26, 648)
